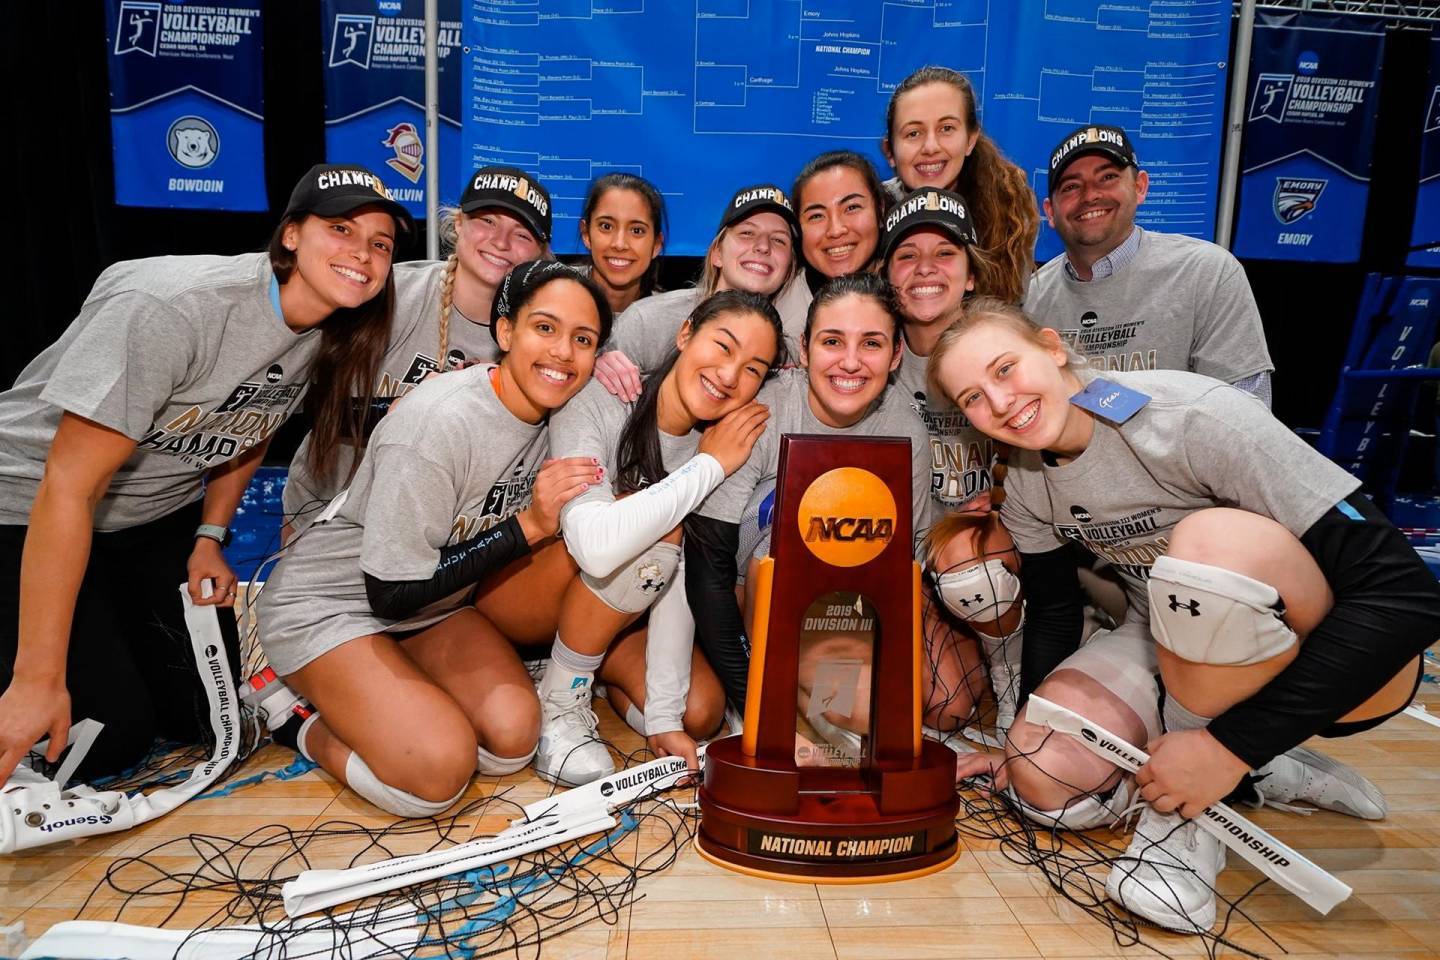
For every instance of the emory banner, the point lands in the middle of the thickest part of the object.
(1425, 238)
(375, 93)
(1309, 129)
(186, 102)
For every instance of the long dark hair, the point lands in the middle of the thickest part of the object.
(870, 285)
(640, 463)
(628, 181)
(346, 367)
(879, 196)
(1002, 203)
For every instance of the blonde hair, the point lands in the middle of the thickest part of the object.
(985, 310)
(449, 240)
(709, 281)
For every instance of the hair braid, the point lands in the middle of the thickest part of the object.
(447, 299)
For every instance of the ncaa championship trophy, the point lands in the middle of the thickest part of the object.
(831, 780)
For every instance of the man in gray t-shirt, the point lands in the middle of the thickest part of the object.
(1130, 299)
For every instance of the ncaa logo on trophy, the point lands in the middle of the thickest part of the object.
(831, 779)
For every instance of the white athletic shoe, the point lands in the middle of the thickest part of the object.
(1168, 872)
(1312, 777)
(570, 751)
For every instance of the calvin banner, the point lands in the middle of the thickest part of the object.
(1309, 130)
(375, 93)
(187, 104)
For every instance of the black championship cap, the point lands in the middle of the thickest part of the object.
(1096, 138)
(749, 201)
(513, 190)
(517, 278)
(928, 206)
(334, 189)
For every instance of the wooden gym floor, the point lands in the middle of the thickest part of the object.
(983, 906)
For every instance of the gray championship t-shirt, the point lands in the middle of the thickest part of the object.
(187, 356)
(960, 456)
(442, 467)
(1198, 443)
(752, 487)
(411, 356)
(590, 426)
(1181, 304)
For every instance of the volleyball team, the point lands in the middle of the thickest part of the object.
(513, 459)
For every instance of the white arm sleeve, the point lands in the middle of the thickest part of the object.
(602, 534)
(668, 646)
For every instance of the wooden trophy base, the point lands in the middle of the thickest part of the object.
(827, 825)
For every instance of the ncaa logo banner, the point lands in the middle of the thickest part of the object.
(1425, 237)
(375, 93)
(1309, 126)
(187, 104)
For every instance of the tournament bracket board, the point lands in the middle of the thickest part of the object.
(187, 105)
(374, 54)
(705, 96)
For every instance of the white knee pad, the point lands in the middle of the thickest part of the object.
(490, 765)
(1207, 614)
(985, 591)
(636, 585)
(363, 781)
(1082, 813)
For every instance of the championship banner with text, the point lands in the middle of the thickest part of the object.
(375, 93)
(1425, 237)
(1309, 130)
(186, 104)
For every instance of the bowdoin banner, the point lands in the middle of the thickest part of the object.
(186, 104)
(1309, 128)
(1425, 238)
(375, 93)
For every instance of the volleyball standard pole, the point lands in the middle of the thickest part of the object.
(1235, 126)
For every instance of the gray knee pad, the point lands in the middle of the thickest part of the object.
(1207, 614)
(1083, 813)
(363, 781)
(637, 584)
(985, 591)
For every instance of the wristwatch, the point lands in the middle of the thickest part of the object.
(214, 531)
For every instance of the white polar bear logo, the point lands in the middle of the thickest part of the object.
(193, 142)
